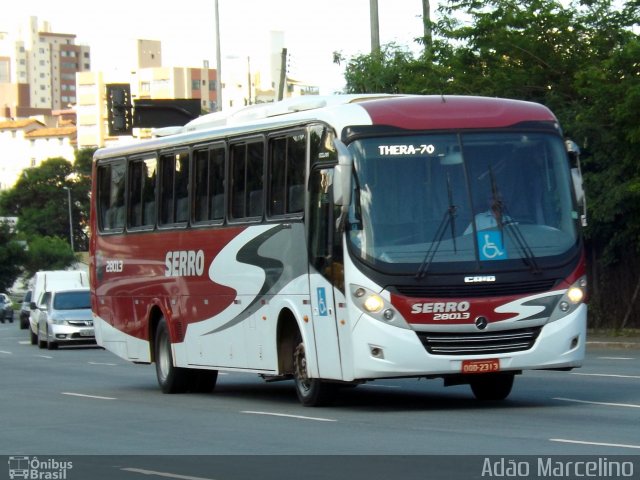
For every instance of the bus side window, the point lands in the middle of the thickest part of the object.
(182, 188)
(135, 201)
(201, 185)
(216, 183)
(174, 188)
(208, 181)
(111, 205)
(149, 191)
(238, 180)
(246, 164)
(287, 174)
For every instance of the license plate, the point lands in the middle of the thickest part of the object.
(489, 365)
(87, 332)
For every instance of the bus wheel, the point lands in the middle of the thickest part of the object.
(170, 378)
(312, 392)
(202, 381)
(495, 386)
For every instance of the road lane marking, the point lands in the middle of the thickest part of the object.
(616, 358)
(164, 474)
(604, 375)
(300, 417)
(24, 342)
(8, 353)
(103, 363)
(597, 444)
(88, 396)
(44, 356)
(606, 404)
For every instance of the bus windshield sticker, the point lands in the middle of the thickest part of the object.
(490, 245)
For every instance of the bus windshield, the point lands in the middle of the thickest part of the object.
(429, 199)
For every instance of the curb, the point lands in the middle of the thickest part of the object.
(622, 344)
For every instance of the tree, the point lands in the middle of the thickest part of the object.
(12, 257)
(47, 253)
(84, 161)
(81, 197)
(41, 202)
(382, 71)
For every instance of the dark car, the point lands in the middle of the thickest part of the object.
(6, 308)
(25, 311)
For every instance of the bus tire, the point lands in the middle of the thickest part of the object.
(312, 392)
(202, 381)
(170, 378)
(493, 386)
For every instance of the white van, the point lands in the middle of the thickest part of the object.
(46, 281)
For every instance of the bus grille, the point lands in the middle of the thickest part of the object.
(488, 343)
(474, 290)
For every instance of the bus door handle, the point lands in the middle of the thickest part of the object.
(316, 311)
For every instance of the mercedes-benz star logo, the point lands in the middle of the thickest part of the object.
(481, 323)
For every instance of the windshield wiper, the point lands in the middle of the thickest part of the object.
(448, 219)
(504, 219)
(357, 214)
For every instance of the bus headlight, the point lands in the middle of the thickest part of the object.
(376, 307)
(373, 303)
(572, 298)
(575, 295)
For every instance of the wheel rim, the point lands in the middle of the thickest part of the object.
(164, 357)
(300, 366)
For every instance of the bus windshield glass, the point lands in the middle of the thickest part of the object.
(423, 200)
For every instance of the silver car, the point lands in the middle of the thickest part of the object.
(64, 317)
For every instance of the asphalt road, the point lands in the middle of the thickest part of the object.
(86, 401)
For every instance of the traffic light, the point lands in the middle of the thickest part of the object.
(119, 115)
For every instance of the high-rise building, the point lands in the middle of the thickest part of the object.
(38, 69)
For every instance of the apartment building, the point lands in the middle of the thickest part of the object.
(38, 69)
(27, 143)
(42, 71)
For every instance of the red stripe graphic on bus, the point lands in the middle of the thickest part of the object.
(466, 311)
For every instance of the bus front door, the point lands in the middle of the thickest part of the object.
(322, 278)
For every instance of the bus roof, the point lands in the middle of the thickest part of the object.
(411, 112)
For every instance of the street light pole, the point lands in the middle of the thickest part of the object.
(70, 218)
(218, 61)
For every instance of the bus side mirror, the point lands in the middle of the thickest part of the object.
(573, 151)
(342, 175)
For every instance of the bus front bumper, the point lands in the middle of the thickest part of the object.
(384, 351)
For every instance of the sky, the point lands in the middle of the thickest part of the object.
(313, 29)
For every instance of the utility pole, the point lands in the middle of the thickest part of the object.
(426, 20)
(283, 74)
(218, 63)
(249, 78)
(375, 26)
(70, 218)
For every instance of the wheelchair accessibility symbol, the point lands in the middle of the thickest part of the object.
(491, 247)
(322, 302)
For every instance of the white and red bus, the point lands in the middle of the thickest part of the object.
(339, 240)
